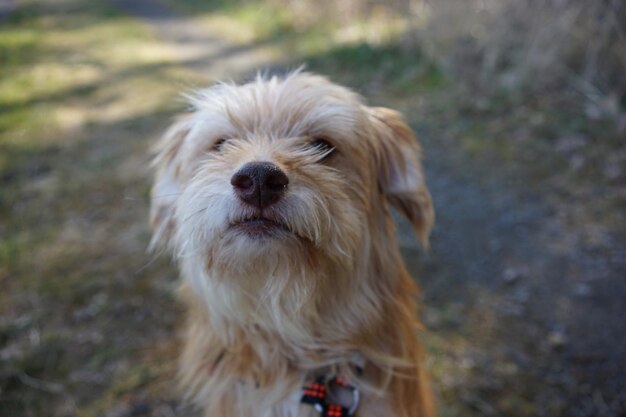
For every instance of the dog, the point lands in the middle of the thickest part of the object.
(274, 198)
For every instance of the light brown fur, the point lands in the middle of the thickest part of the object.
(266, 314)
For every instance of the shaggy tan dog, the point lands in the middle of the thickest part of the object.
(274, 198)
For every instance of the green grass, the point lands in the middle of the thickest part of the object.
(403, 72)
(262, 19)
(75, 128)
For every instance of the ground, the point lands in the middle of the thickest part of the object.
(523, 287)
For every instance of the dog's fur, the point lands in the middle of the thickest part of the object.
(265, 314)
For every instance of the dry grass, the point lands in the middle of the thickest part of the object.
(571, 47)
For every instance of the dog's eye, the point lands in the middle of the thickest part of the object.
(323, 147)
(217, 145)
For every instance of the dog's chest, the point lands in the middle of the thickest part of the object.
(291, 406)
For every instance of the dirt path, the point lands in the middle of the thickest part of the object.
(197, 46)
(540, 309)
(528, 313)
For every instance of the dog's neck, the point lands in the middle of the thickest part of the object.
(313, 312)
(311, 325)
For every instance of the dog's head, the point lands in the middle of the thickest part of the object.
(284, 174)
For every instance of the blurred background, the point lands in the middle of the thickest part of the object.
(520, 106)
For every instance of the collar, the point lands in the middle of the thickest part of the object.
(332, 396)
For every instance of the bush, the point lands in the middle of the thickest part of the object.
(575, 47)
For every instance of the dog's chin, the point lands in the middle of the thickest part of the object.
(261, 228)
(255, 239)
(255, 247)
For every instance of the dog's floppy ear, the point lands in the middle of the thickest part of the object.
(400, 174)
(166, 188)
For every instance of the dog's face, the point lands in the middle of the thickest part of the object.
(281, 176)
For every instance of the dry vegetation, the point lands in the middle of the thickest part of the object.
(542, 46)
(547, 47)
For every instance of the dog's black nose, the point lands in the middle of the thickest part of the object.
(260, 183)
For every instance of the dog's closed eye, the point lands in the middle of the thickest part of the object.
(323, 147)
(217, 145)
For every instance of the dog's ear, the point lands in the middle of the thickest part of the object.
(166, 188)
(400, 174)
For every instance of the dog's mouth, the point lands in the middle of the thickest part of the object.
(259, 227)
